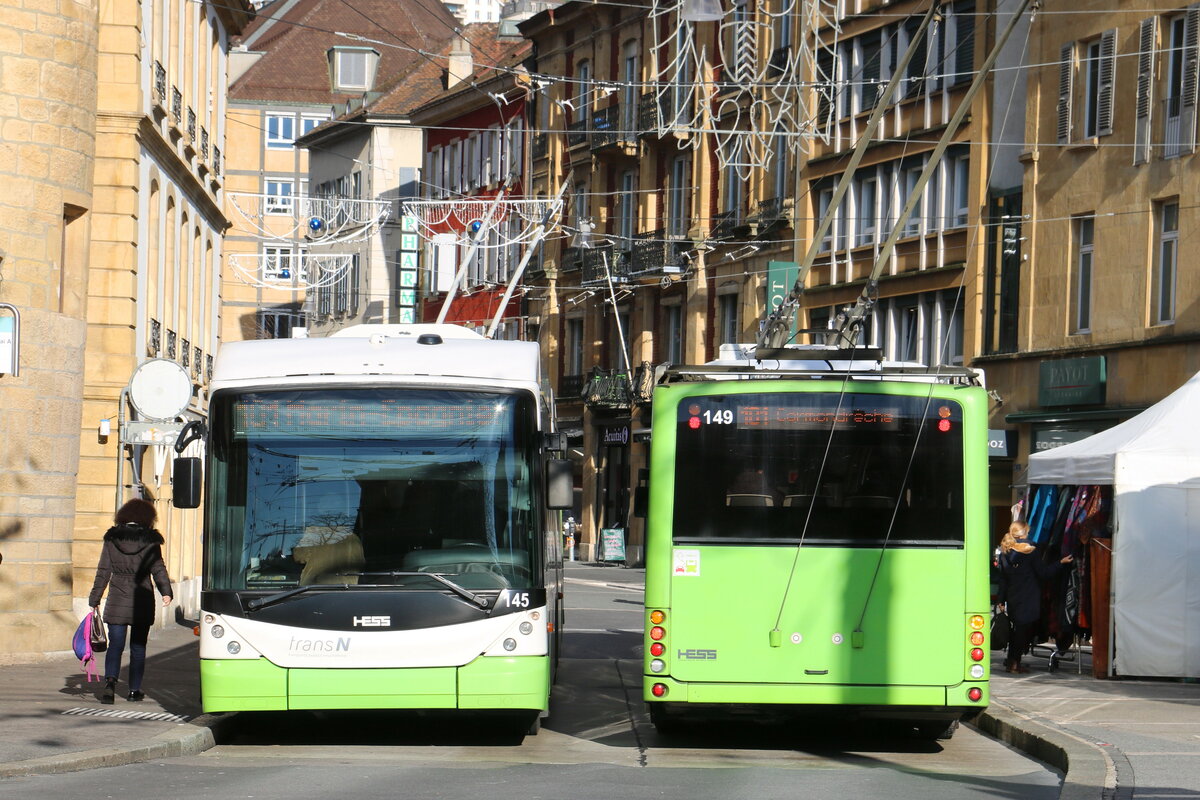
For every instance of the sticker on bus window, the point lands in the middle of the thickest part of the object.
(687, 563)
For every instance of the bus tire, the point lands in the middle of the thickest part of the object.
(665, 723)
(939, 730)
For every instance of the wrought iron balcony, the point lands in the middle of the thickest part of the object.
(570, 387)
(171, 339)
(160, 85)
(539, 147)
(176, 105)
(577, 133)
(186, 353)
(655, 254)
(608, 129)
(601, 262)
(648, 114)
(725, 224)
(607, 389)
(770, 213)
(572, 259)
(204, 144)
(216, 161)
(191, 124)
(154, 340)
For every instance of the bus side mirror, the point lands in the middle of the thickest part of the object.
(560, 484)
(185, 482)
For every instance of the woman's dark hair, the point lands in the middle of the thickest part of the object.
(138, 512)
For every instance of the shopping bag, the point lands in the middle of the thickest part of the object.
(81, 643)
(96, 633)
(1001, 630)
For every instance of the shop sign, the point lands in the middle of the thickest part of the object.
(612, 544)
(614, 435)
(1072, 381)
(1048, 438)
(781, 277)
(1001, 443)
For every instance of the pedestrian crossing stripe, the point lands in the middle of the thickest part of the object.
(149, 716)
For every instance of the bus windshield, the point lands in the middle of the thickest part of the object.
(360, 486)
(825, 468)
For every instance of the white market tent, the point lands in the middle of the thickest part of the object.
(1152, 461)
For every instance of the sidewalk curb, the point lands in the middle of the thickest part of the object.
(1088, 772)
(194, 737)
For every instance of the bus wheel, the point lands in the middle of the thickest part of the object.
(938, 729)
(665, 723)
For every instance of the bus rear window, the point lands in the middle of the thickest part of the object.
(826, 468)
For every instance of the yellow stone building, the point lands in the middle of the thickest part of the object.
(48, 62)
(1106, 318)
(113, 123)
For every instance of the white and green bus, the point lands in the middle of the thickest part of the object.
(381, 524)
(817, 539)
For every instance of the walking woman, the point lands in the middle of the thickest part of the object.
(1022, 572)
(130, 561)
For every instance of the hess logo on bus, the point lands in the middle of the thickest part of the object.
(372, 622)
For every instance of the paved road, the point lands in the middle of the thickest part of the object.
(597, 744)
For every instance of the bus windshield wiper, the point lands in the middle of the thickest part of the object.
(272, 599)
(466, 594)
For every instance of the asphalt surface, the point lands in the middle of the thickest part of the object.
(1119, 739)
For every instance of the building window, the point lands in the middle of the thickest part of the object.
(679, 192)
(729, 329)
(276, 324)
(281, 131)
(1094, 77)
(824, 199)
(960, 178)
(583, 88)
(1166, 263)
(277, 264)
(673, 333)
(868, 191)
(351, 69)
(308, 123)
(1177, 134)
(632, 78)
(574, 350)
(280, 195)
(1082, 285)
(627, 208)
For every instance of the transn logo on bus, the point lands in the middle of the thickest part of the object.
(697, 655)
(372, 622)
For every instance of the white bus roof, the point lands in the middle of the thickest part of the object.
(746, 361)
(430, 354)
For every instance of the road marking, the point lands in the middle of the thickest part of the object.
(603, 585)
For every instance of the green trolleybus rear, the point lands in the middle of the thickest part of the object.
(818, 541)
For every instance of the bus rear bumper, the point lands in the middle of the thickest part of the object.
(511, 683)
(904, 699)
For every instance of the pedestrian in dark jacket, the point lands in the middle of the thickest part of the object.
(131, 564)
(1022, 572)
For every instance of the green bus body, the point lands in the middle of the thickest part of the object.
(495, 682)
(877, 630)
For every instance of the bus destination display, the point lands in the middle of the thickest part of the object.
(791, 412)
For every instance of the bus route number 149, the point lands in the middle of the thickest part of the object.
(719, 416)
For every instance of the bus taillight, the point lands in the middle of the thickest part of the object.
(977, 638)
(977, 621)
(977, 654)
(657, 633)
(659, 690)
(657, 649)
(974, 694)
(657, 617)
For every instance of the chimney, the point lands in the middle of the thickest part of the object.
(458, 64)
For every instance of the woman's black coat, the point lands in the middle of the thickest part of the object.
(130, 559)
(1021, 577)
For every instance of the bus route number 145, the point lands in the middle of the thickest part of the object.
(516, 599)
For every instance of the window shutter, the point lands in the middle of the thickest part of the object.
(1187, 114)
(1145, 83)
(1066, 74)
(1108, 67)
(964, 46)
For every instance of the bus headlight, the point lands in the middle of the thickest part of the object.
(510, 644)
(217, 631)
(526, 627)
(234, 648)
